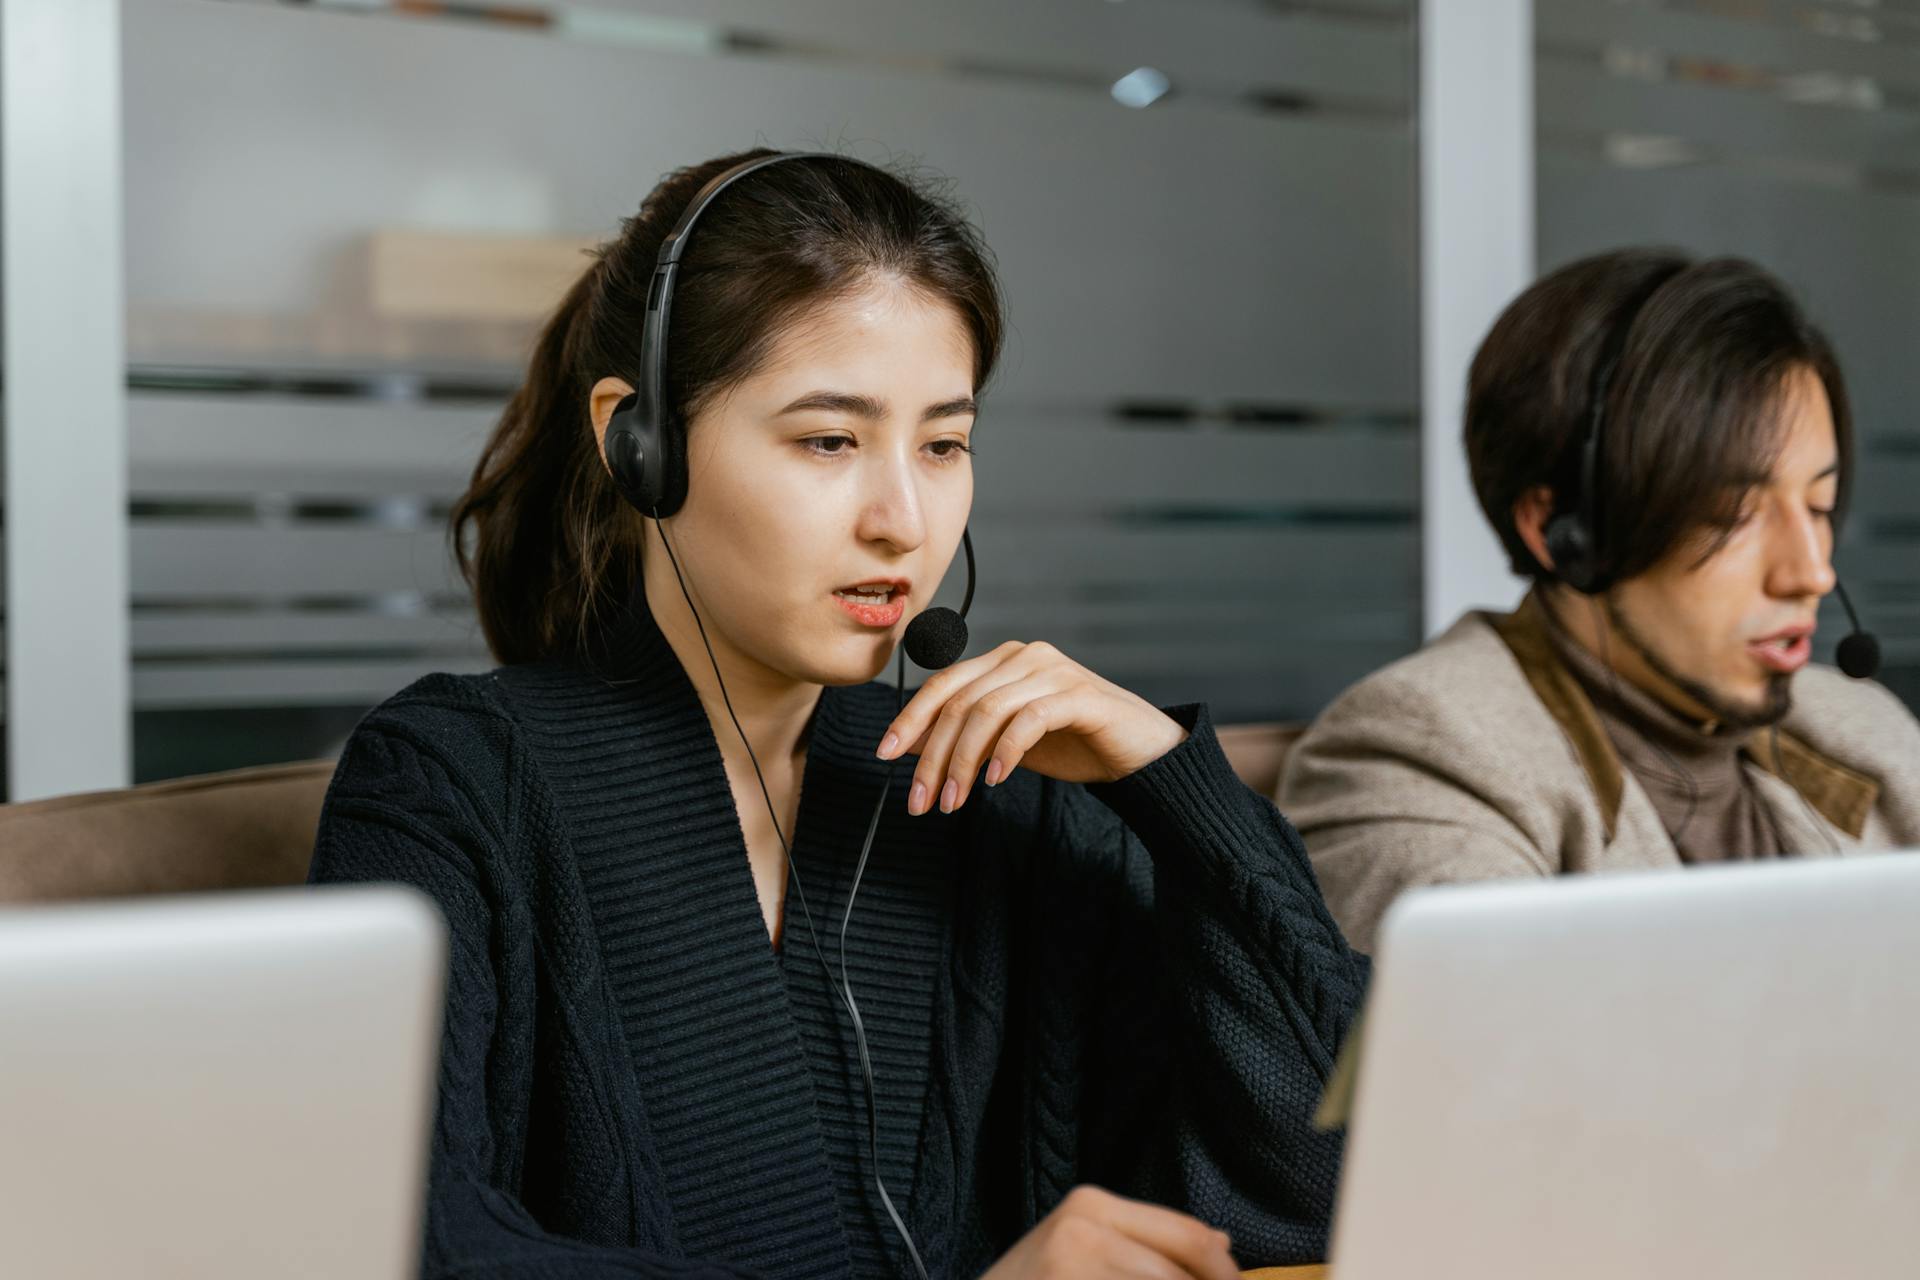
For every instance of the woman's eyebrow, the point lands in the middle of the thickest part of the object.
(958, 407)
(847, 402)
(862, 406)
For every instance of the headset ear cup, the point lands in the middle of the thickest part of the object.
(1571, 547)
(647, 460)
(627, 455)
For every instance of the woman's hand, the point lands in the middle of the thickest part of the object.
(1023, 704)
(1095, 1233)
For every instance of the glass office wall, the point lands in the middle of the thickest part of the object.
(1197, 472)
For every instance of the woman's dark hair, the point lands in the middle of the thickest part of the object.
(1699, 353)
(548, 546)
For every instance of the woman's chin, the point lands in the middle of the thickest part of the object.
(856, 660)
(859, 661)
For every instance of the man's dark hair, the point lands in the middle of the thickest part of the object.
(1699, 353)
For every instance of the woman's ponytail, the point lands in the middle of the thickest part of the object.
(541, 535)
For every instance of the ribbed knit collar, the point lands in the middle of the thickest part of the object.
(1644, 727)
(743, 1059)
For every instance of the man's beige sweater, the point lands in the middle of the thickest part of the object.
(1481, 757)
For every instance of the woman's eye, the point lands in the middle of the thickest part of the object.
(947, 450)
(1824, 513)
(827, 445)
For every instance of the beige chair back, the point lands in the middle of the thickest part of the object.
(245, 829)
(1258, 752)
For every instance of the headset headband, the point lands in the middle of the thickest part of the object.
(666, 273)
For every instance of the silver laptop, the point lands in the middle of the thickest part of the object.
(225, 1086)
(1700, 1075)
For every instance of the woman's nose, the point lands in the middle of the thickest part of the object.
(891, 510)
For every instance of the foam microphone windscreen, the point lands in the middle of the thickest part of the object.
(1858, 655)
(936, 639)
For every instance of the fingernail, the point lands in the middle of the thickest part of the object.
(993, 772)
(888, 745)
(917, 798)
(949, 794)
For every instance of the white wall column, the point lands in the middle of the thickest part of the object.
(62, 276)
(1476, 252)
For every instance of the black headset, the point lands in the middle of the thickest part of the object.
(646, 441)
(1575, 534)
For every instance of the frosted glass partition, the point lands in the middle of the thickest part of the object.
(1789, 134)
(1198, 472)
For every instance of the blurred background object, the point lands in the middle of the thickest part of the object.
(1200, 472)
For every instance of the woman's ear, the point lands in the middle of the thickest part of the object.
(1531, 511)
(601, 402)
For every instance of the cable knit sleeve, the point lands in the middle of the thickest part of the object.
(1223, 989)
(424, 796)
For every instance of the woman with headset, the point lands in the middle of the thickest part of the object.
(722, 999)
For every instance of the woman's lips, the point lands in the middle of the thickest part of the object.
(1783, 658)
(860, 606)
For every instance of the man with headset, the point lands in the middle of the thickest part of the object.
(1664, 446)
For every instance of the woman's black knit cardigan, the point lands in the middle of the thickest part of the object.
(1135, 985)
